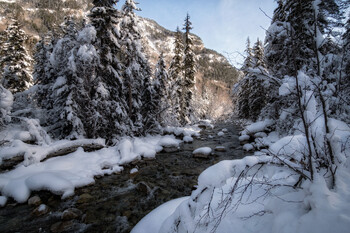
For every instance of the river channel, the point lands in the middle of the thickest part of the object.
(117, 202)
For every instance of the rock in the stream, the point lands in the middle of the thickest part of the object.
(84, 198)
(202, 152)
(134, 170)
(142, 188)
(220, 149)
(34, 201)
(70, 214)
(170, 149)
(41, 210)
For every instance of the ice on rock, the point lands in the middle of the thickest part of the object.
(188, 139)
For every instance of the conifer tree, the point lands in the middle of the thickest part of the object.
(248, 61)
(253, 90)
(107, 87)
(259, 55)
(189, 72)
(137, 74)
(176, 77)
(16, 73)
(162, 93)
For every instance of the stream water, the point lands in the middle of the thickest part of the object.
(116, 203)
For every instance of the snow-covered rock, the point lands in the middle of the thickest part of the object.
(202, 152)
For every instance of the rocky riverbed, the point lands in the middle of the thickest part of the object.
(116, 203)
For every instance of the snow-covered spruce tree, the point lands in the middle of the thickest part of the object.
(176, 77)
(161, 86)
(44, 73)
(107, 86)
(254, 91)
(137, 73)
(248, 62)
(60, 87)
(16, 73)
(189, 72)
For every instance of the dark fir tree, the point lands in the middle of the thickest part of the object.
(16, 73)
(258, 60)
(107, 87)
(189, 72)
(253, 91)
(248, 61)
(137, 73)
(176, 77)
(161, 90)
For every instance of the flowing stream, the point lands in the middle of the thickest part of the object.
(116, 203)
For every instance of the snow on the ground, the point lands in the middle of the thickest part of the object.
(265, 199)
(36, 153)
(313, 209)
(153, 221)
(61, 175)
(202, 150)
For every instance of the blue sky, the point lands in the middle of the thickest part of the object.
(223, 25)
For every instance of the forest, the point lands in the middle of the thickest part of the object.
(97, 137)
